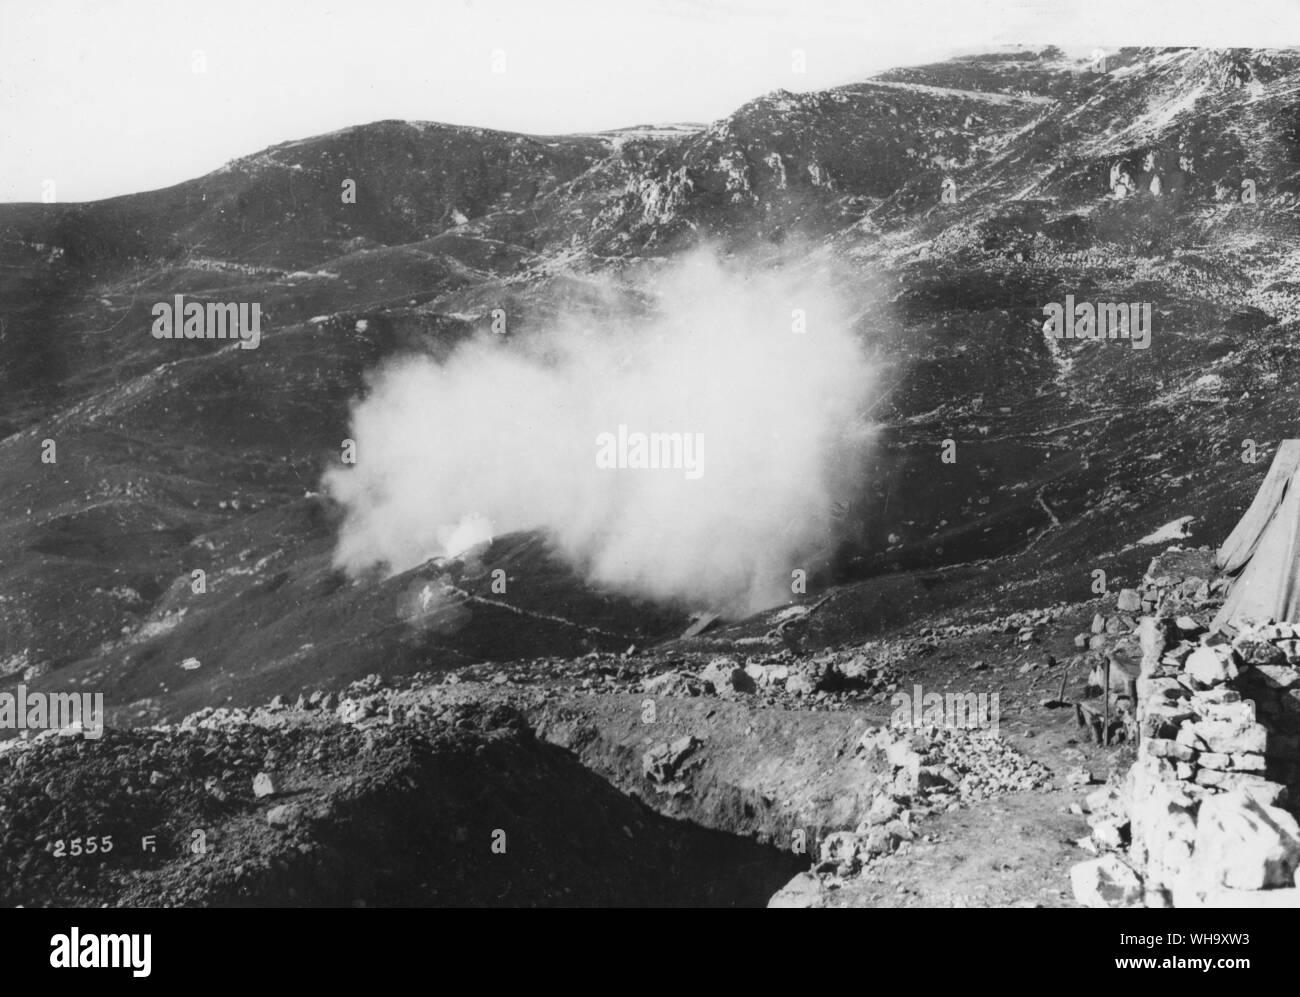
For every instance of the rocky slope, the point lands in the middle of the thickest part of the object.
(1071, 453)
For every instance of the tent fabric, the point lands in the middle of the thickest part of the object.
(1263, 551)
(1244, 538)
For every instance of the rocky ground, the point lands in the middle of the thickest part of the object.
(735, 779)
(527, 713)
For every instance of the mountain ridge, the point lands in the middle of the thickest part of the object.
(185, 450)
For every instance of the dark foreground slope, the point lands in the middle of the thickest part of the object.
(457, 806)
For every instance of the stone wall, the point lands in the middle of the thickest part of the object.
(1205, 808)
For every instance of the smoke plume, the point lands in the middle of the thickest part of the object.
(749, 379)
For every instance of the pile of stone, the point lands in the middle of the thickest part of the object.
(675, 683)
(1024, 625)
(886, 828)
(942, 767)
(1180, 581)
(837, 674)
(931, 769)
(595, 673)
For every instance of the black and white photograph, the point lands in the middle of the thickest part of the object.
(650, 454)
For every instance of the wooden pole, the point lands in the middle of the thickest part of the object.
(1105, 722)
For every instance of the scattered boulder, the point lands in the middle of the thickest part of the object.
(1078, 776)
(884, 808)
(662, 762)
(881, 840)
(1106, 800)
(800, 684)
(282, 816)
(805, 890)
(841, 852)
(1106, 882)
(1110, 832)
(1243, 844)
(727, 678)
(673, 683)
(263, 785)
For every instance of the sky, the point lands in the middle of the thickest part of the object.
(106, 98)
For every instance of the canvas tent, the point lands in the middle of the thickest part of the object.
(1262, 556)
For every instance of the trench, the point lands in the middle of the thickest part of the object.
(523, 825)
(465, 807)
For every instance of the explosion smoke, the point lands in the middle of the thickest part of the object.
(759, 365)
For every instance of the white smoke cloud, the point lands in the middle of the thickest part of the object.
(503, 437)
